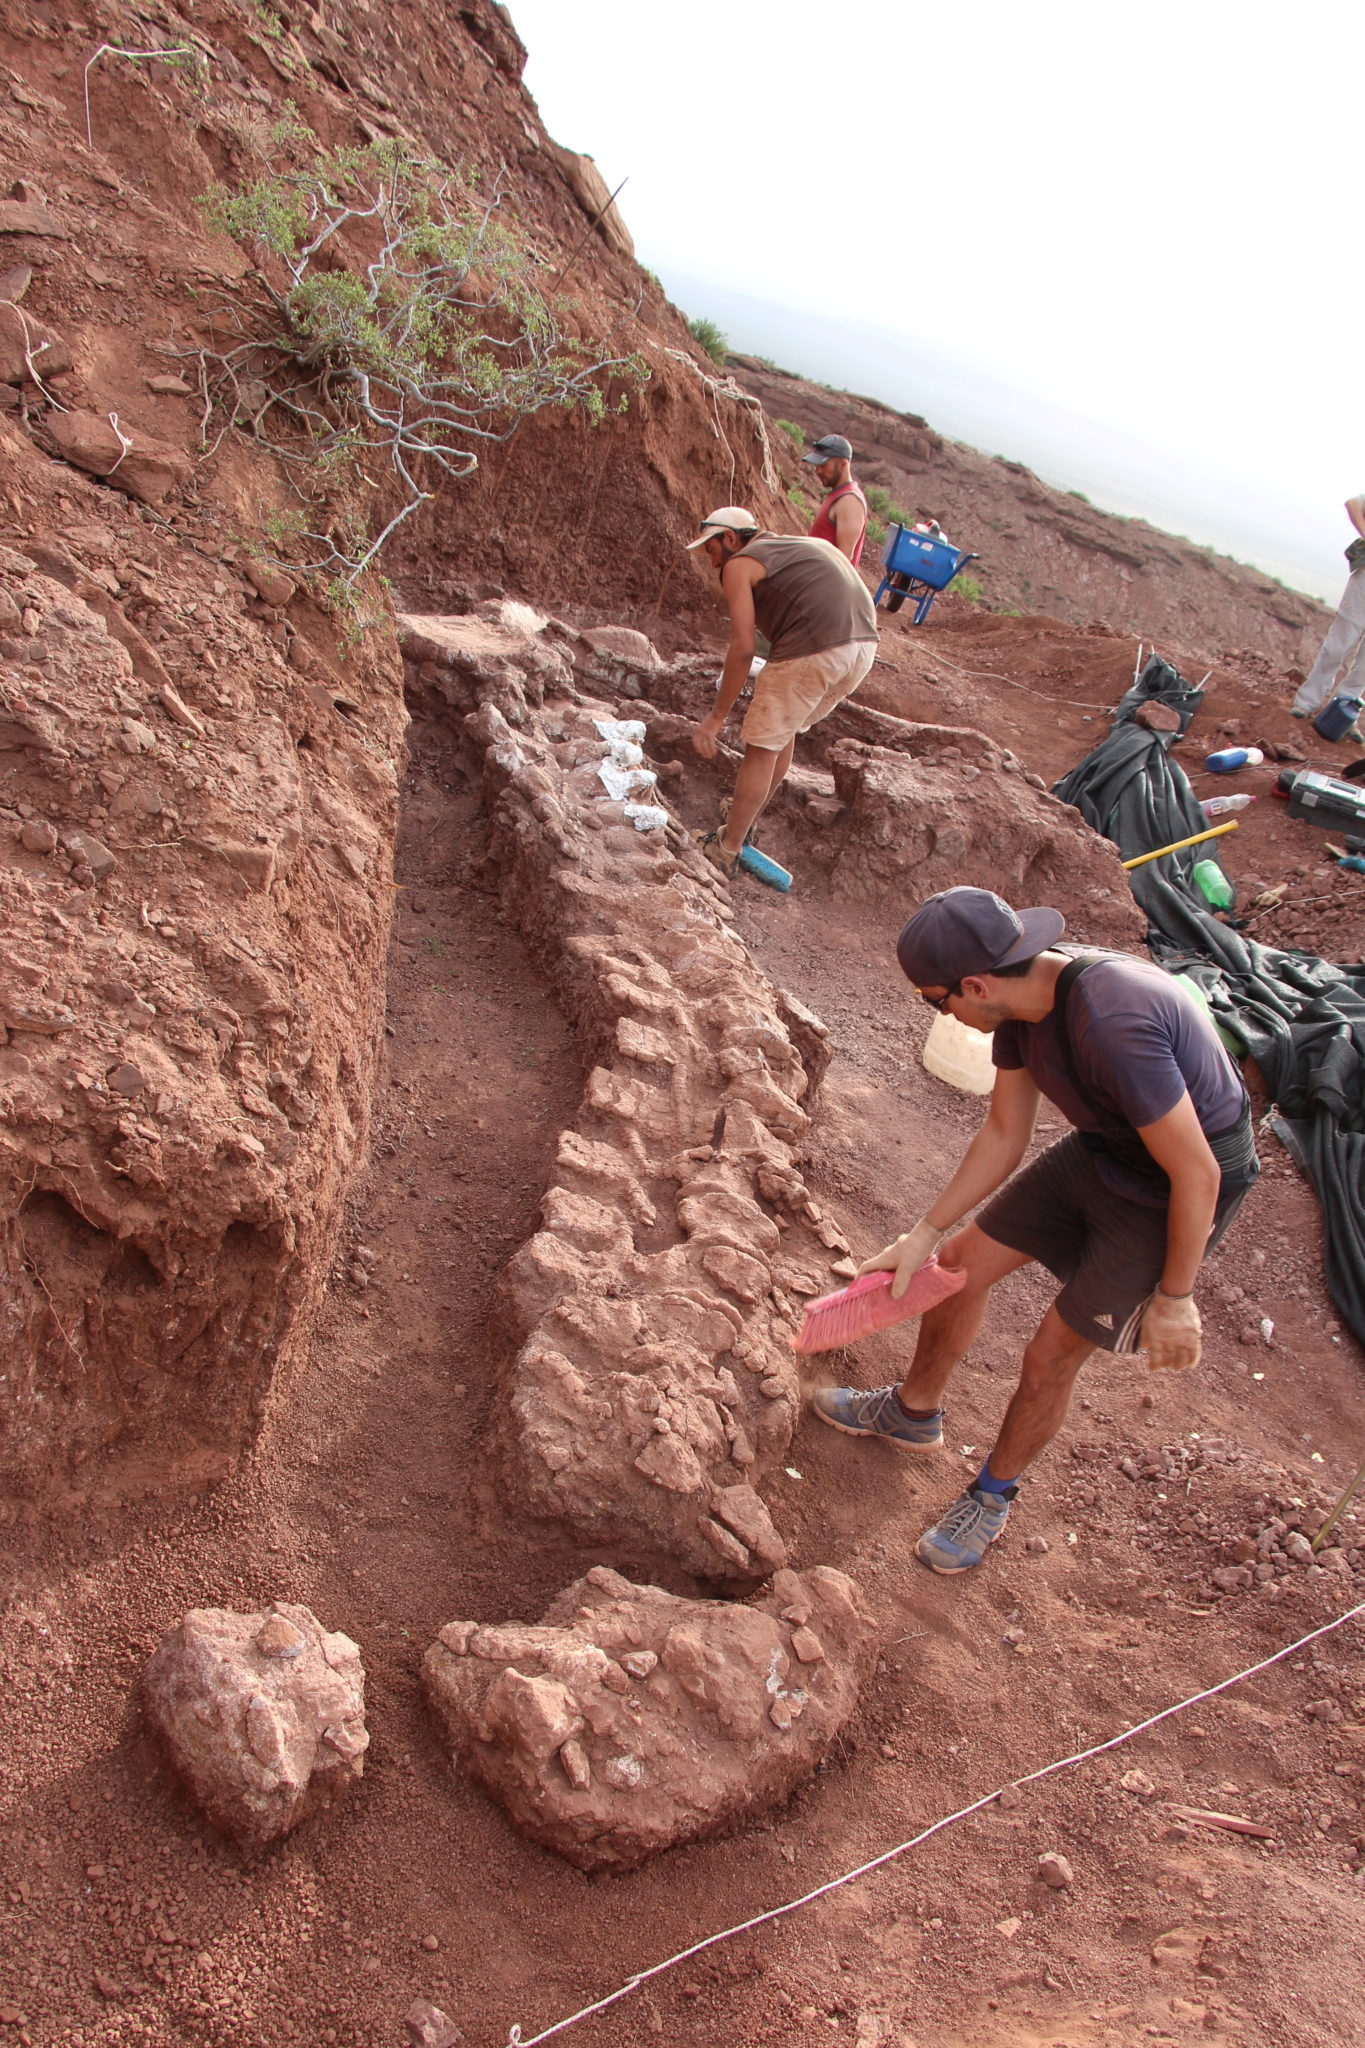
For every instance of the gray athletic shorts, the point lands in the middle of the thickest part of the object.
(1108, 1251)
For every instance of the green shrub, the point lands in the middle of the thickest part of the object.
(968, 587)
(880, 502)
(708, 336)
(405, 365)
(797, 434)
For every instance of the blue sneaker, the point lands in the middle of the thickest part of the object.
(960, 1537)
(877, 1414)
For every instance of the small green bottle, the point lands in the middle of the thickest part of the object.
(1214, 885)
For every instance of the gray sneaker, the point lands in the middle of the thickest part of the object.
(877, 1414)
(961, 1536)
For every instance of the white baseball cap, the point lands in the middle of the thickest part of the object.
(728, 519)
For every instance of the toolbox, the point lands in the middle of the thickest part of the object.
(1326, 800)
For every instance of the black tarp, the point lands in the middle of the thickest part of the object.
(1300, 1018)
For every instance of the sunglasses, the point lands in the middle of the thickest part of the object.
(937, 1002)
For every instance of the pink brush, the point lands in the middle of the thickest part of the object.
(865, 1305)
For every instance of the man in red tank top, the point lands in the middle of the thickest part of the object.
(842, 518)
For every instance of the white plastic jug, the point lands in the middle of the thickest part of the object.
(954, 1053)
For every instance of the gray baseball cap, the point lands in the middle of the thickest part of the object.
(833, 448)
(971, 931)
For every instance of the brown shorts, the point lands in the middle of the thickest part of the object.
(1108, 1250)
(791, 696)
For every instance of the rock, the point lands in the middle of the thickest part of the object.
(29, 348)
(1054, 1870)
(608, 1759)
(168, 387)
(1297, 1547)
(625, 648)
(30, 217)
(37, 836)
(1139, 1784)
(1231, 1578)
(15, 282)
(127, 1079)
(84, 846)
(1037, 1546)
(262, 1733)
(909, 828)
(172, 702)
(145, 469)
(428, 2026)
(271, 585)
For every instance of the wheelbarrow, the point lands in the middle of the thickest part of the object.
(917, 566)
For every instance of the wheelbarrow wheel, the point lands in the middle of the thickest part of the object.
(896, 596)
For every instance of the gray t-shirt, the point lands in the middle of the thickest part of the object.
(1139, 1042)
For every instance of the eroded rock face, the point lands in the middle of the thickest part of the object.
(653, 1391)
(263, 1715)
(628, 1720)
(194, 860)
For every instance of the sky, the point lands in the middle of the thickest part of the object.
(1122, 244)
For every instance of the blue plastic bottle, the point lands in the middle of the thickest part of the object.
(1337, 717)
(1234, 757)
(764, 869)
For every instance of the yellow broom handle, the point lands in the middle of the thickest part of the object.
(1176, 844)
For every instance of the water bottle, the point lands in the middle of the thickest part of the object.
(764, 868)
(1229, 758)
(1213, 884)
(1221, 806)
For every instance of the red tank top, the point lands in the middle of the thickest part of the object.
(822, 526)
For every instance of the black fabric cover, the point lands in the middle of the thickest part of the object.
(1300, 1018)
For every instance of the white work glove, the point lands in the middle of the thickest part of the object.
(1171, 1333)
(905, 1257)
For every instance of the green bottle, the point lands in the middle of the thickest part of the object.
(1214, 885)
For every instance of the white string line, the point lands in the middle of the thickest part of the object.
(514, 2037)
(994, 675)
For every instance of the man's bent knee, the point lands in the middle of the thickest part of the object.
(982, 1258)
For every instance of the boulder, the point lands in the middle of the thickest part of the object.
(263, 1716)
(271, 585)
(146, 469)
(29, 346)
(621, 647)
(911, 825)
(629, 1720)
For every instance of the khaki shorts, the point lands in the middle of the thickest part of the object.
(1108, 1252)
(792, 696)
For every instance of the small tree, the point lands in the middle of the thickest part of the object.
(395, 323)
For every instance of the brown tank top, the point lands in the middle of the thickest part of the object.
(810, 597)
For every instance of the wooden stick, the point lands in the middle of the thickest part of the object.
(1194, 839)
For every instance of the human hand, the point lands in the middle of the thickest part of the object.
(704, 737)
(904, 1257)
(1171, 1333)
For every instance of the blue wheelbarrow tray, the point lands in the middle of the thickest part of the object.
(928, 566)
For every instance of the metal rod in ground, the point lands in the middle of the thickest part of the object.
(1194, 839)
(1338, 1510)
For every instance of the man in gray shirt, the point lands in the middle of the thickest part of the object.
(816, 612)
(1122, 1211)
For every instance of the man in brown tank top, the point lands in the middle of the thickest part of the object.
(816, 613)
